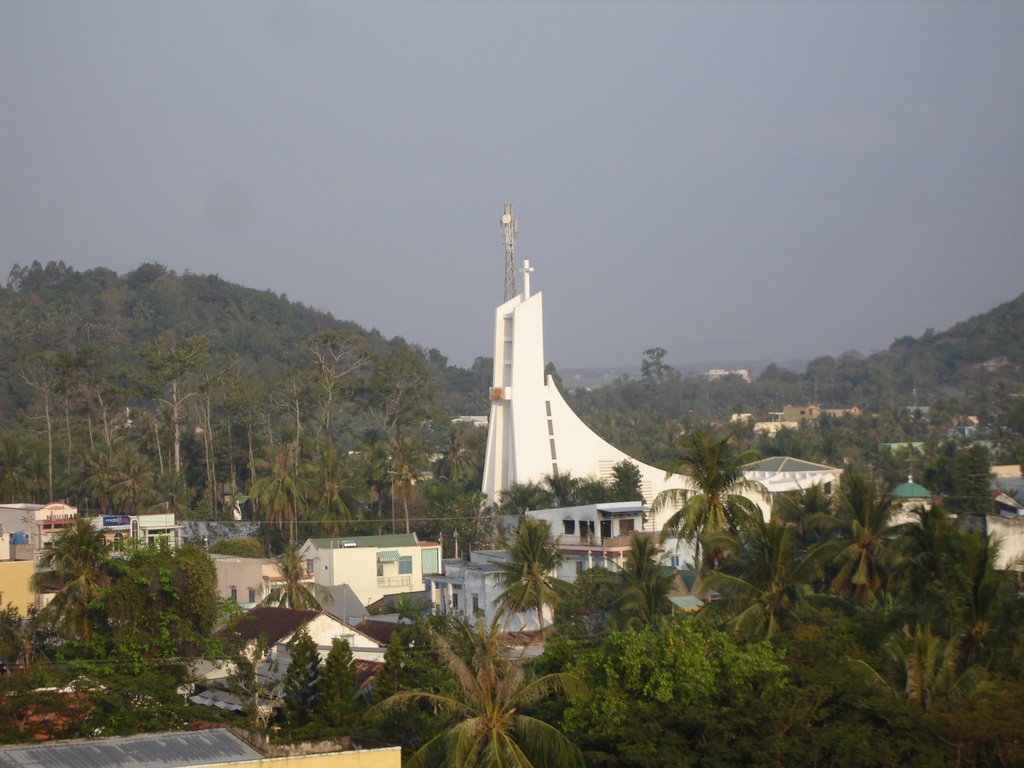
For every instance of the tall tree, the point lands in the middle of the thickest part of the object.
(301, 678)
(715, 502)
(170, 363)
(865, 529)
(336, 688)
(281, 488)
(645, 583)
(528, 578)
(492, 691)
(337, 356)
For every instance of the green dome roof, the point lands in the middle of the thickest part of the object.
(910, 490)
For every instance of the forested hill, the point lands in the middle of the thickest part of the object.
(985, 338)
(98, 322)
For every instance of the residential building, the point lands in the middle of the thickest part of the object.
(246, 580)
(144, 529)
(471, 589)
(593, 534)
(16, 585)
(373, 566)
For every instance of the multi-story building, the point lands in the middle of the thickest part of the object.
(373, 566)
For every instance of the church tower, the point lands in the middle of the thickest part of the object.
(532, 431)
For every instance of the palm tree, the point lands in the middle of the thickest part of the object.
(864, 520)
(335, 496)
(528, 577)
(645, 583)
(76, 566)
(14, 481)
(281, 492)
(715, 503)
(767, 583)
(297, 590)
(493, 688)
(562, 489)
(522, 497)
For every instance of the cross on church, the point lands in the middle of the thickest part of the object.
(527, 269)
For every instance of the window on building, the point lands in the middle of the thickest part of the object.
(380, 570)
(455, 599)
(234, 594)
(309, 566)
(674, 560)
(404, 565)
(568, 527)
(476, 603)
(625, 526)
(252, 595)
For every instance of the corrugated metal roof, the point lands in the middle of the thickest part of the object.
(385, 540)
(387, 556)
(157, 750)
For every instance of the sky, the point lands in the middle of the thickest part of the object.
(728, 181)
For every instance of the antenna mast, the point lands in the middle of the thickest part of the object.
(509, 227)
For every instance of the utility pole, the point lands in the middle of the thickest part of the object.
(509, 227)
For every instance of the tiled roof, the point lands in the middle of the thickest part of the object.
(270, 623)
(380, 631)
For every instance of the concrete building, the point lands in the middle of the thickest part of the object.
(592, 535)
(144, 529)
(246, 580)
(16, 585)
(373, 566)
(471, 589)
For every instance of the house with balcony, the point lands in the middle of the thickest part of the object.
(592, 535)
(373, 566)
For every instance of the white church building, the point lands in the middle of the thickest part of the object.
(534, 433)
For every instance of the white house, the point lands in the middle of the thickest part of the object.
(146, 529)
(471, 590)
(373, 566)
(592, 534)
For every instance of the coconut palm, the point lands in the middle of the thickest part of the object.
(281, 491)
(14, 480)
(335, 495)
(864, 522)
(715, 503)
(76, 567)
(766, 583)
(297, 590)
(493, 688)
(645, 583)
(528, 578)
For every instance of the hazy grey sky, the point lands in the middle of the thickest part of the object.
(724, 180)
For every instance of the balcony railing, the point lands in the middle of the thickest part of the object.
(387, 582)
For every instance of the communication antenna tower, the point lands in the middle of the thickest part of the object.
(509, 227)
